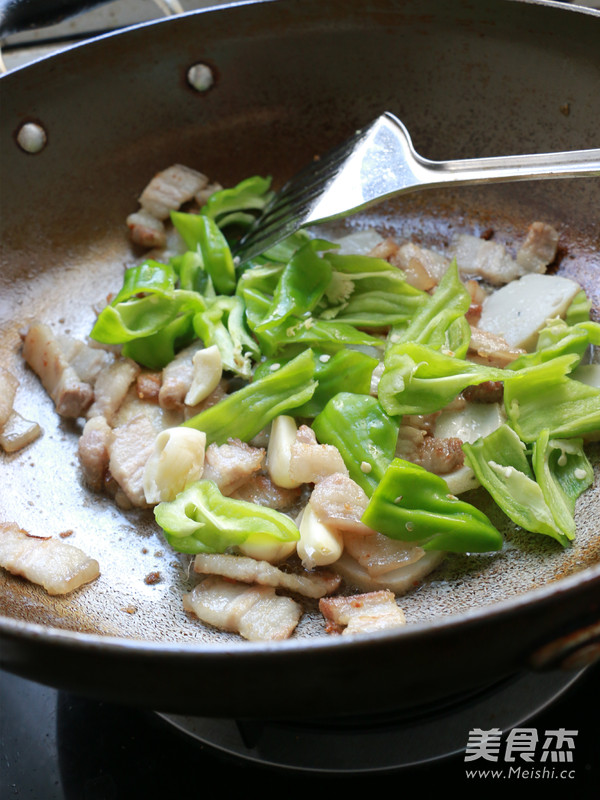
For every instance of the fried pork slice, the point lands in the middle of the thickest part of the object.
(340, 502)
(111, 387)
(440, 455)
(423, 267)
(177, 378)
(57, 566)
(170, 189)
(257, 613)
(538, 250)
(130, 448)
(486, 259)
(261, 490)
(249, 570)
(8, 391)
(93, 450)
(233, 464)
(146, 230)
(87, 361)
(491, 349)
(310, 461)
(400, 580)
(362, 613)
(42, 351)
(379, 554)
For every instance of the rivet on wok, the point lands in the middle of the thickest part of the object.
(31, 137)
(200, 77)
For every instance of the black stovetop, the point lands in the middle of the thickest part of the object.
(58, 746)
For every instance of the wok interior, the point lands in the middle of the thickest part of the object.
(289, 84)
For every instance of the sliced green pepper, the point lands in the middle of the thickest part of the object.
(299, 288)
(333, 373)
(563, 472)
(363, 433)
(240, 204)
(223, 324)
(419, 379)
(413, 505)
(202, 235)
(501, 465)
(433, 321)
(545, 396)
(202, 520)
(249, 410)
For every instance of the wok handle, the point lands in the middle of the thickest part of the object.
(575, 650)
(21, 15)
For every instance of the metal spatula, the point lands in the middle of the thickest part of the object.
(379, 162)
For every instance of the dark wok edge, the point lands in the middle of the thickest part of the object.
(71, 657)
(79, 662)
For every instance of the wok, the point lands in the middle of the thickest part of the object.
(291, 78)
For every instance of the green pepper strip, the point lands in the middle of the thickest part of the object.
(363, 433)
(300, 286)
(246, 412)
(563, 473)
(414, 505)
(500, 463)
(545, 396)
(434, 321)
(201, 234)
(202, 520)
(333, 373)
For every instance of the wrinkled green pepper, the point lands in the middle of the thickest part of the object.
(333, 373)
(363, 433)
(563, 472)
(149, 316)
(544, 396)
(413, 505)
(203, 236)
(419, 379)
(440, 322)
(502, 467)
(202, 520)
(247, 411)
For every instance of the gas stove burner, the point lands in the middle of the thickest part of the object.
(382, 742)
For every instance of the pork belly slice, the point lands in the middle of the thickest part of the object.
(112, 386)
(400, 580)
(42, 351)
(310, 461)
(8, 391)
(424, 268)
(249, 570)
(379, 554)
(362, 613)
(491, 349)
(130, 448)
(261, 490)
(538, 250)
(484, 258)
(57, 566)
(233, 464)
(86, 360)
(177, 378)
(93, 451)
(146, 230)
(170, 189)
(340, 502)
(257, 613)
